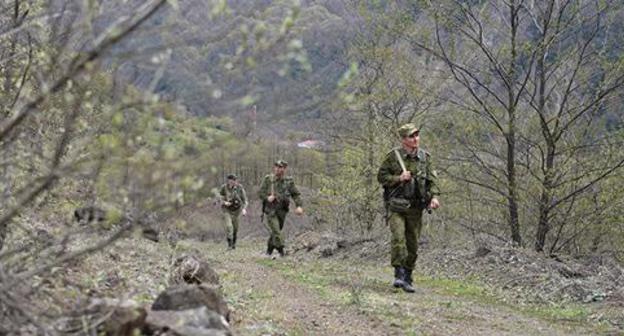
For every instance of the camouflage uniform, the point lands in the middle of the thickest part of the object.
(275, 212)
(231, 214)
(405, 225)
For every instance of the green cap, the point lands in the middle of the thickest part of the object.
(281, 163)
(407, 130)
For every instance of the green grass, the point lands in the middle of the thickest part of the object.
(458, 288)
(468, 289)
(569, 313)
(471, 290)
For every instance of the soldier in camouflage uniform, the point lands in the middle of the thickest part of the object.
(275, 192)
(233, 203)
(410, 186)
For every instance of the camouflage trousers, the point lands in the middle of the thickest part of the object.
(405, 230)
(274, 223)
(231, 221)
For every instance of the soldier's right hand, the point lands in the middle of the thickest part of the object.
(226, 203)
(434, 204)
(271, 198)
(405, 176)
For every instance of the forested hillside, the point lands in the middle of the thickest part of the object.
(120, 120)
(285, 59)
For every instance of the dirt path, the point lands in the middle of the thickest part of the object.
(267, 302)
(307, 296)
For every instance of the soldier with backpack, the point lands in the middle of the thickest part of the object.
(233, 203)
(275, 193)
(410, 187)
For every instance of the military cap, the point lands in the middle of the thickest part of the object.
(407, 130)
(281, 163)
(231, 177)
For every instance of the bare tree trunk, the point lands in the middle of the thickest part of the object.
(369, 217)
(543, 225)
(514, 222)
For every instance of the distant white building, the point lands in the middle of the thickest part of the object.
(312, 144)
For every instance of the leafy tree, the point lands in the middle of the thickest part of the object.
(51, 52)
(73, 133)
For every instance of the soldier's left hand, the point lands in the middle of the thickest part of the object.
(299, 211)
(244, 212)
(434, 204)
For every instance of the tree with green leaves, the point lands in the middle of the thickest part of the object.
(53, 87)
(74, 133)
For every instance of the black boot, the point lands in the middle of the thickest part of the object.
(398, 277)
(281, 251)
(229, 243)
(234, 241)
(407, 281)
(269, 250)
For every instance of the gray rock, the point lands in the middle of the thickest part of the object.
(182, 297)
(191, 322)
(191, 270)
(106, 316)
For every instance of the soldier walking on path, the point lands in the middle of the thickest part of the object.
(275, 192)
(410, 187)
(233, 203)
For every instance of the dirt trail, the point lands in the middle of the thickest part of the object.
(266, 302)
(307, 296)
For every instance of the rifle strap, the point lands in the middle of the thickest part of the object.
(400, 159)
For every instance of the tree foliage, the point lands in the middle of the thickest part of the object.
(74, 133)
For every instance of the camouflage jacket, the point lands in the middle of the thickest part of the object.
(419, 165)
(284, 189)
(235, 195)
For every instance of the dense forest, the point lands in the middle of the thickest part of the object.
(142, 108)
